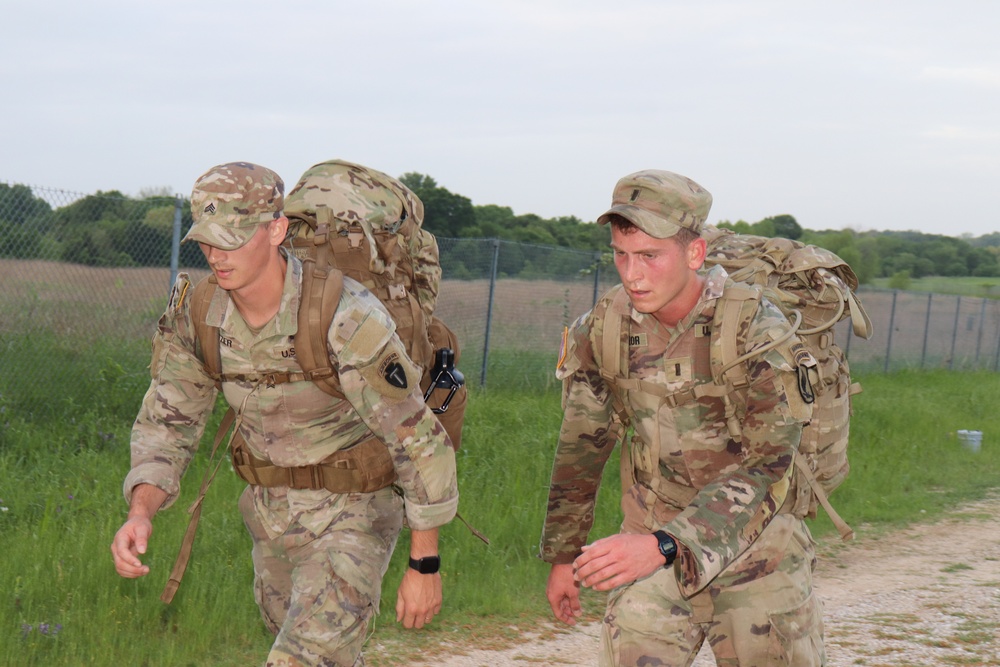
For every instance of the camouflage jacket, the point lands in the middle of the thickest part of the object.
(292, 424)
(716, 494)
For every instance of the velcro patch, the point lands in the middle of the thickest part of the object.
(679, 369)
(637, 340)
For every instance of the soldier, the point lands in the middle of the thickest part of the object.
(707, 548)
(319, 554)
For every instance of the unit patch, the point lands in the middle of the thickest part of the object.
(391, 374)
(392, 371)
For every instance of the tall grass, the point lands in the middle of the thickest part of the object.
(61, 602)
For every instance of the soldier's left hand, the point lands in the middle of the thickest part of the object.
(418, 599)
(617, 560)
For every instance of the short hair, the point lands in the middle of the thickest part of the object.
(683, 237)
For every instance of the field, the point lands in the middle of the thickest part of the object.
(70, 386)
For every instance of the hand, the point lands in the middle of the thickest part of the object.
(563, 592)
(617, 560)
(419, 598)
(130, 541)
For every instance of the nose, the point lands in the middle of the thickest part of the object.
(213, 254)
(628, 269)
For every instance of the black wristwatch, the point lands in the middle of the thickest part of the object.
(426, 565)
(668, 547)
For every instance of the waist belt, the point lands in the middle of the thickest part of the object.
(363, 468)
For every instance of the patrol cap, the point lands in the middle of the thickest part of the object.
(660, 203)
(230, 201)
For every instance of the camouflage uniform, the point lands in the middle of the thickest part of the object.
(742, 578)
(319, 557)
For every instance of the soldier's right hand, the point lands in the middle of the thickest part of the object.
(130, 541)
(563, 593)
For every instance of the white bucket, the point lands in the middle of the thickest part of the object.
(972, 440)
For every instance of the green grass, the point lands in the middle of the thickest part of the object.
(962, 286)
(60, 504)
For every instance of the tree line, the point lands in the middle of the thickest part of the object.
(111, 229)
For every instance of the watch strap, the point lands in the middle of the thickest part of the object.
(667, 546)
(426, 565)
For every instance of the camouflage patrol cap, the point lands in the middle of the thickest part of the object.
(660, 203)
(230, 201)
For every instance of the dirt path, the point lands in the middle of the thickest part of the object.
(928, 595)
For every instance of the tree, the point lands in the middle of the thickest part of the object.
(445, 214)
(785, 226)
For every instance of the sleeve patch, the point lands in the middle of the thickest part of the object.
(392, 374)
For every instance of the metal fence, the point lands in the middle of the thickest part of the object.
(97, 269)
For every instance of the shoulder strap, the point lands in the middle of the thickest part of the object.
(734, 312)
(321, 290)
(206, 337)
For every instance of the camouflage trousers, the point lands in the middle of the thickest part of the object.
(317, 593)
(761, 612)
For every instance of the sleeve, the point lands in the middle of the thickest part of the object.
(729, 514)
(382, 385)
(180, 397)
(586, 440)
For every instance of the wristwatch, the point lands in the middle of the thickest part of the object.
(426, 565)
(668, 547)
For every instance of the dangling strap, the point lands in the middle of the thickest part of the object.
(184, 555)
(846, 532)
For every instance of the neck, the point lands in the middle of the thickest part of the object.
(679, 308)
(259, 301)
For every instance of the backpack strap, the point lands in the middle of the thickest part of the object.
(322, 286)
(206, 337)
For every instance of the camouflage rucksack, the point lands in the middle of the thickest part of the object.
(815, 289)
(367, 225)
(816, 286)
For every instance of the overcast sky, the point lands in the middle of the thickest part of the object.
(862, 114)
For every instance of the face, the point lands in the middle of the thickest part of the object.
(659, 275)
(238, 270)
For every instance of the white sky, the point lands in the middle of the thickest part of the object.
(861, 114)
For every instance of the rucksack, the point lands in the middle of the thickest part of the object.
(369, 226)
(815, 289)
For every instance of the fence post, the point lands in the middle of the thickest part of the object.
(597, 277)
(489, 311)
(175, 243)
(954, 334)
(996, 359)
(979, 334)
(892, 322)
(927, 327)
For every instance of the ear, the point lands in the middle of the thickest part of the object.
(696, 252)
(277, 231)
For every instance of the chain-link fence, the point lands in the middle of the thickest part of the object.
(85, 277)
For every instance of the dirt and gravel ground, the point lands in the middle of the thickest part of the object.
(928, 595)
